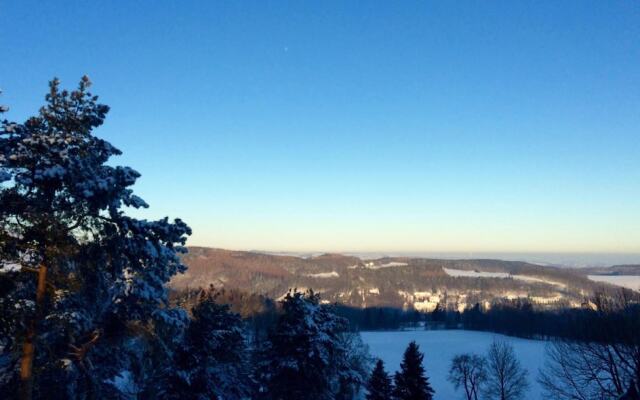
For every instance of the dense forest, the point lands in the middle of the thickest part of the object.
(397, 282)
(517, 317)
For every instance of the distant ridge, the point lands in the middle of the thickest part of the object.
(630, 269)
(420, 283)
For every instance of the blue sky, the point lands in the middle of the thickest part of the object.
(359, 126)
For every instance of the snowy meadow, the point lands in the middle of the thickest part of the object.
(440, 346)
(628, 281)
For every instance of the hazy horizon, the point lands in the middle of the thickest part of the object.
(562, 259)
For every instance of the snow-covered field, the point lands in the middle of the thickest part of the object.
(629, 281)
(440, 346)
(504, 275)
(332, 274)
(474, 274)
(372, 265)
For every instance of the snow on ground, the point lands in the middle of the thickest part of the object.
(482, 274)
(372, 265)
(393, 264)
(629, 281)
(538, 280)
(440, 346)
(474, 274)
(332, 274)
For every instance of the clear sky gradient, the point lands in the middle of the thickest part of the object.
(358, 126)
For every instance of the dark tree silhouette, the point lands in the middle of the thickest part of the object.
(212, 361)
(379, 386)
(603, 361)
(411, 383)
(306, 356)
(469, 372)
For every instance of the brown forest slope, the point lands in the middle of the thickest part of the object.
(391, 281)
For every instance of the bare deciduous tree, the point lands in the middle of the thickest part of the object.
(583, 371)
(506, 379)
(469, 372)
(604, 363)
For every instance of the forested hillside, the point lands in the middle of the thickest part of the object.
(400, 282)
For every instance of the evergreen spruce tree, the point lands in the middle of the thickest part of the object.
(353, 366)
(379, 386)
(83, 294)
(212, 364)
(411, 383)
(305, 357)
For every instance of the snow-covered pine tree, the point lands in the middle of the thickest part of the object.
(305, 356)
(411, 383)
(353, 366)
(85, 282)
(213, 362)
(379, 386)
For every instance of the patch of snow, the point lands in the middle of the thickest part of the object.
(125, 384)
(393, 264)
(10, 267)
(514, 295)
(628, 281)
(374, 291)
(546, 299)
(482, 274)
(474, 274)
(66, 363)
(372, 265)
(332, 274)
(538, 280)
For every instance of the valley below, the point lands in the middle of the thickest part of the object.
(420, 284)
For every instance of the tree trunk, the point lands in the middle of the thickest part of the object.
(28, 347)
